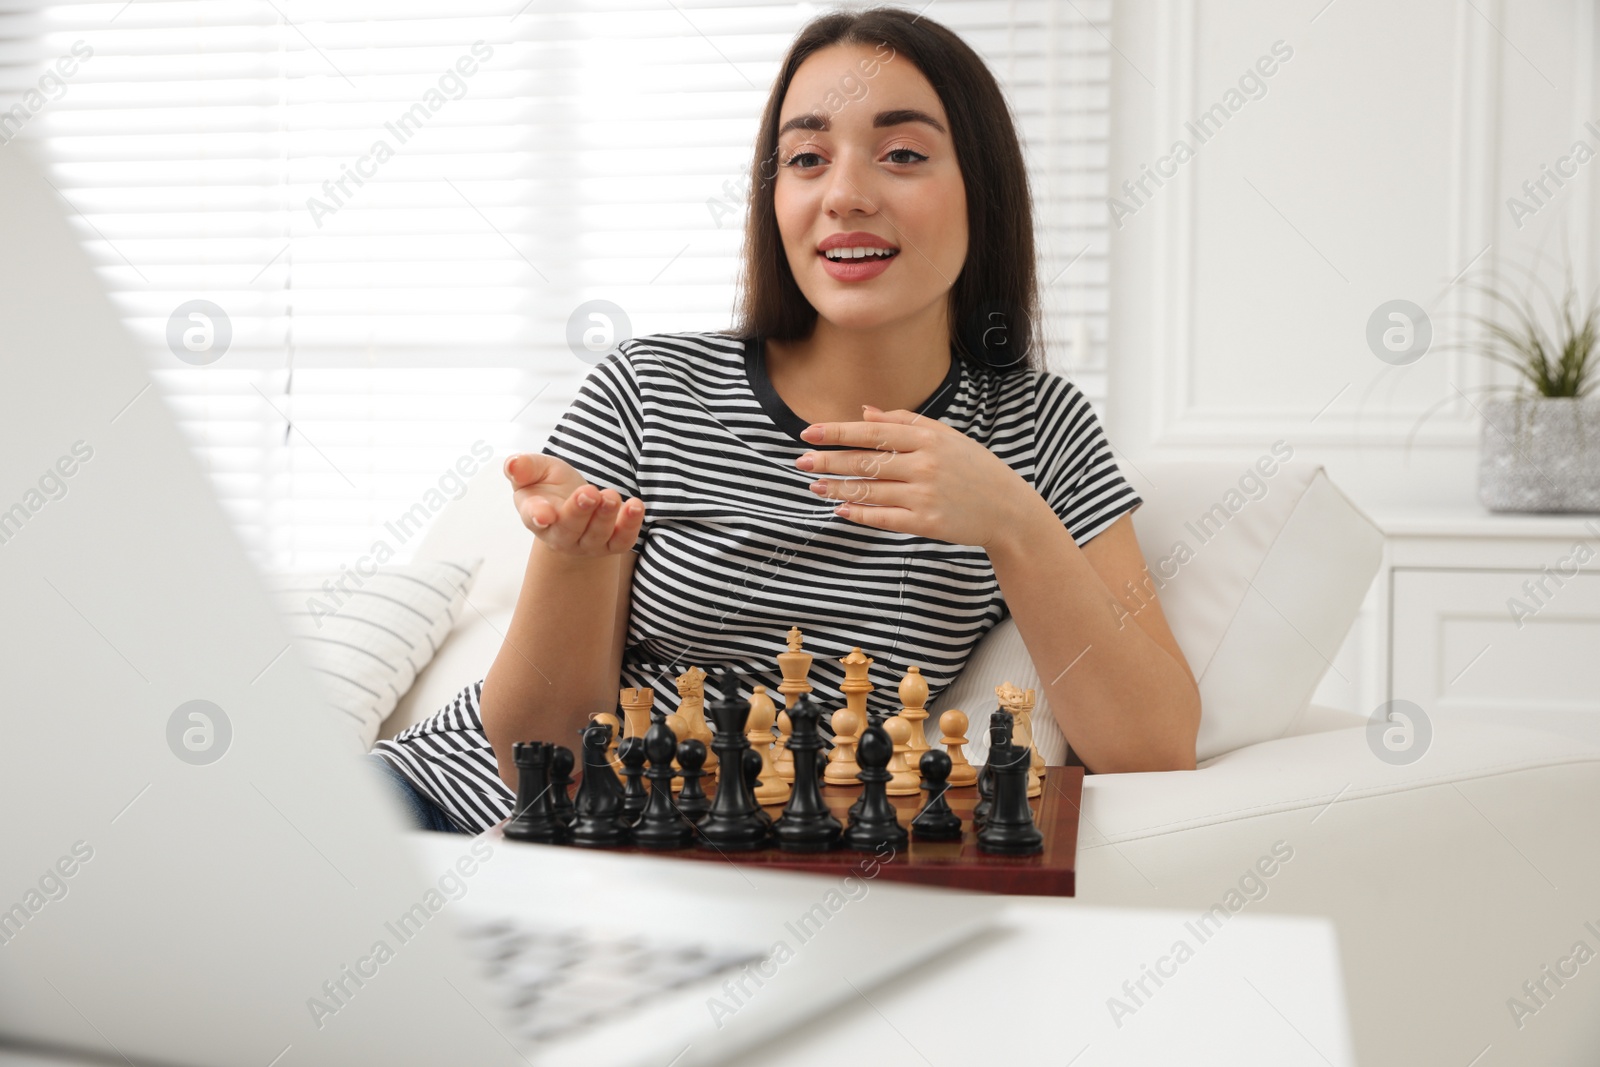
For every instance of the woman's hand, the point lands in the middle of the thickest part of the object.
(568, 514)
(922, 477)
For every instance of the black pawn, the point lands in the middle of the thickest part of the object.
(561, 764)
(597, 811)
(1009, 830)
(692, 799)
(752, 779)
(660, 825)
(634, 796)
(533, 818)
(935, 822)
(875, 822)
(736, 822)
(806, 824)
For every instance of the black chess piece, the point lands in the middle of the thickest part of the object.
(1009, 829)
(533, 817)
(692, 799)
(935, 822)
(806, 824)
(660, 824)
(752, 779)
(634, 796)
(736, 821)
(876, 822)
(873, 719)
(597, 811)
(561, 764)
(1001, 724)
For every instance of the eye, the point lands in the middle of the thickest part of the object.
(804, 160)
(914, 156)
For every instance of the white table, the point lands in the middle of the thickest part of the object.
(1040, 989)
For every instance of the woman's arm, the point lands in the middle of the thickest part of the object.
(1117, 682)
(561, 658)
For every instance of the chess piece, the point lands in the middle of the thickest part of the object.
(806, 824)
(634, 796)
(771, 788)
(1000, 727)
(796, 666)
(561, 764)
(902, 779)
(1019, 702)
(842, 766)
(607, 719)
(660, 824)
(680, 729)
(783, 760)
(953, 724)
(874, 822)
(692, 706)
(935, 822)
(914, 710)
(597, 810)
(533, 817)
(1009, 829)
(692, 799)
(752, 778)
(856, 687)
(636, 707)
(735, 822)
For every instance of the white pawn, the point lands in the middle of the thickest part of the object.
(906, 782)
(954, 725)
(842, 766)
(770, 788)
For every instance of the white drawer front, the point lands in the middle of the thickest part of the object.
(1460, 642)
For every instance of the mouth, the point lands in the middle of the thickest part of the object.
(858, 252)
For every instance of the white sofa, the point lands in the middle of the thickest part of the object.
(1452, 880)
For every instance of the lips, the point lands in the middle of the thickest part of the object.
(855, 256)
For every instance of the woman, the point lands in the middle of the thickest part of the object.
(874, 455)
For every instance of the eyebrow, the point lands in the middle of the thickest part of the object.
(813, 121)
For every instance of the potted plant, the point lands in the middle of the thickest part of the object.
(1539, 447)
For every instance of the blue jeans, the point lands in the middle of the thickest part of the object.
(420, 810)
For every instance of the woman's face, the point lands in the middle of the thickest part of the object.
(865, 160)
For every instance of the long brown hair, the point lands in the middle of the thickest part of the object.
(994, 303)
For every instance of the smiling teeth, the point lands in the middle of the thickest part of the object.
(858, 253)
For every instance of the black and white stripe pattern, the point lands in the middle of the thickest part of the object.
(736, 549)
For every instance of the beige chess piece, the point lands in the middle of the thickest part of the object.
(770, 788)
(953, 724)
(842, 766)
(636, 705)
(855, 685)
(795, 663)
(905, 781)
(680, 730)
(1019, 702)
(616, 738)
(692, 706)
(914, 710)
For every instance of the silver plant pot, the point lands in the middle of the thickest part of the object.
(1540, 453)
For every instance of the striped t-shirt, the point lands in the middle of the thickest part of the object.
(736, 549)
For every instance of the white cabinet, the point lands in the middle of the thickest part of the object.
(1491, 612)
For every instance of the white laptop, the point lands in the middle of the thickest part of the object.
(264, 908)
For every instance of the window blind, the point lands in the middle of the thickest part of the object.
(354, 237)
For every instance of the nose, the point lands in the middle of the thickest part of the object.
(849, 190)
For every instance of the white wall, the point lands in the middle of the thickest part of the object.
(1375, 165)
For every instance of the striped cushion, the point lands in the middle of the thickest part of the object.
(368, 640)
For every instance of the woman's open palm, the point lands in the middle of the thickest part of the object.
(568, 514)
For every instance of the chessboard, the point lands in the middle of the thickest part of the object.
(876, 798)
(951, 864)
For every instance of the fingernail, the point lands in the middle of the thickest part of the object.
(806, 462)
(586, 501)
(812, 433)
(818, 486)
(869, 407)
(842, 509)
